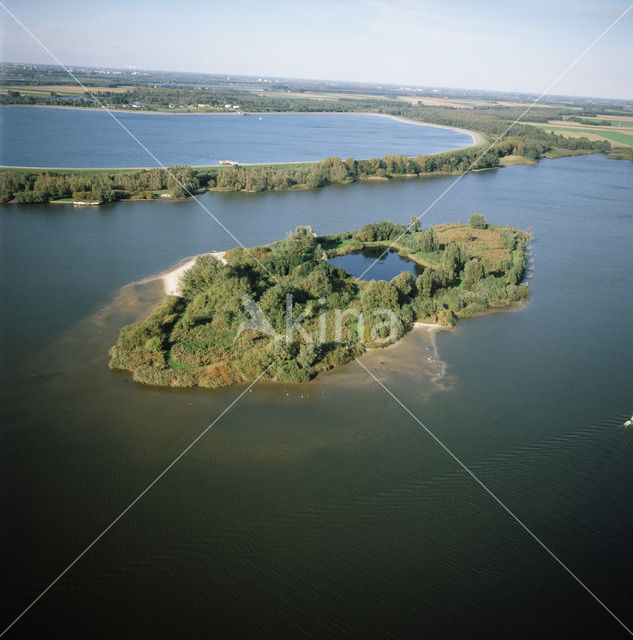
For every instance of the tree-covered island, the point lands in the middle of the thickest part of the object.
(284, 311)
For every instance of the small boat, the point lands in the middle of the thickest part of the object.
(260, 118)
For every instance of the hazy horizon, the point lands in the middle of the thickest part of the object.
(517, 47)
(280, 78)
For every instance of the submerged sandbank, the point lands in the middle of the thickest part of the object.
(412, 361)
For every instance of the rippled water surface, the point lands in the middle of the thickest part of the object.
(324, 509)
(40, 137)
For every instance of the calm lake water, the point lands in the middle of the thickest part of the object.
(77, 138)
(382, 264)
(323, 509)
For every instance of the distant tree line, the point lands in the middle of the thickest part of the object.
(182, 181)
(596, 123)
(42, 186)
(523, 140)
(182, 98)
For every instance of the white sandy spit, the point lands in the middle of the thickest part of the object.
(171, 278)
(417, 325)
(476, 136)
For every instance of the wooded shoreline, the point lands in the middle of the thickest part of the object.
(225, 322)
(527, 144)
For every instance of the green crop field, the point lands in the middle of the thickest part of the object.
(615, 136)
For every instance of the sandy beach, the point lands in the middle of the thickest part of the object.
(476, 136)
(171, 278)
(424, 325)
(413, 359)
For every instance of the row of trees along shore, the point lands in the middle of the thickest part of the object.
(36, 186)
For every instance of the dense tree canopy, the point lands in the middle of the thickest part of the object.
(477, 221)
(285, 312)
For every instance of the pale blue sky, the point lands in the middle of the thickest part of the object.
(486, 44)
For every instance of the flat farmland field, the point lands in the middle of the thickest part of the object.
(62, 89)
(622, 137)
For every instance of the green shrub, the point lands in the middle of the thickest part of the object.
(477, 221)
(378, 294)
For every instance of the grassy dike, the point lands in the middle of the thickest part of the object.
(40, 185)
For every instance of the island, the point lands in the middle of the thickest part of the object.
(286, 313)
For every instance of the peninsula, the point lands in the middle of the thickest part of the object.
(284, 312)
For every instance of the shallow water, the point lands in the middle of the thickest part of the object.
(324, 509)
(39, 137)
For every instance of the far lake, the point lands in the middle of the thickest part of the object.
(77, 138)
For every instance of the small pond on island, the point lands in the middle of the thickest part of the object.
(377, 262)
